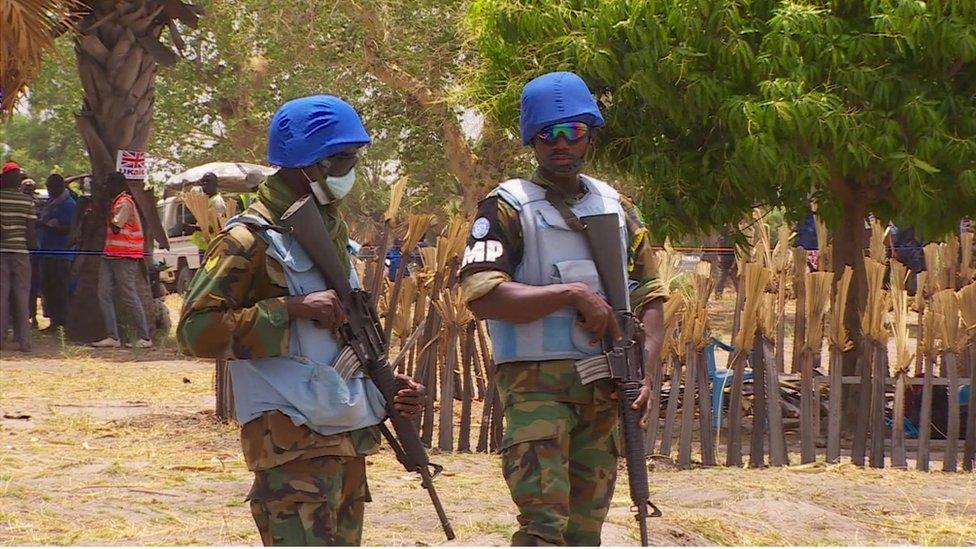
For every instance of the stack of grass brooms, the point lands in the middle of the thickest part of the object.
(801, 399)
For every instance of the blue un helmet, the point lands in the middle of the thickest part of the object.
(306, 130)
(555, 98)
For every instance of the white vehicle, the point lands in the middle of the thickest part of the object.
(182, 259)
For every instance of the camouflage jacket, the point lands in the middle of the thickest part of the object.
(236, 307)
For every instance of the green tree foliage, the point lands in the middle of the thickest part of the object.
(43, 137)
(386, 59)
(714, 106)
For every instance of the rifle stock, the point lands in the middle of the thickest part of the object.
(625, 357)
(364, 334)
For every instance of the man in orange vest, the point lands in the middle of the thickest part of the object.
(120, 266)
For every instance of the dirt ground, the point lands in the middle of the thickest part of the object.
(122, 448)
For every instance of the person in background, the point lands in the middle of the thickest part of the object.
(29, 187)
(16, 239)
(54, 223)
(393, 258)
(121, 263)
(209, 185)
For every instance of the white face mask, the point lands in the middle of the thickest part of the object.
(338, 187)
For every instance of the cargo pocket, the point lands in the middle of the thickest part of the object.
(581, 270)
(534, 465)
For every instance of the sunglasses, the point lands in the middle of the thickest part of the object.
(570, 131)
(343, 158)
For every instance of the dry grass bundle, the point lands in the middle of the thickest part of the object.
(673, 312)
(876, 246)
(763, 241)
(408, 296)
(451, 242)
(695, 320)
(824, 244)
(950, 259)
(755, 278)
(838, 336)
(930, 332)
(899, 326)
(946, 305)
(872, 320)
(967, 309)
(967, 270)
(396, 197)
(666, 262)
(199, 205)
(453, 308)
(934, 267)
(817, 298)
(417, 225)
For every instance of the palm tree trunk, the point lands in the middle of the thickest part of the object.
(118, 52)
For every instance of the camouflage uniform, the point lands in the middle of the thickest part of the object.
(308, 489)
(559, 449)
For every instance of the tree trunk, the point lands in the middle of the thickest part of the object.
(117, 51)
(848, 249)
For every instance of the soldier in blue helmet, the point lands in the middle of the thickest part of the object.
(533, 278)
(305, 429)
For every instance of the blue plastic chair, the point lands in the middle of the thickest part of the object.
(720, 379)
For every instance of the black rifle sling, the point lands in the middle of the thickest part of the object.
(557, 200)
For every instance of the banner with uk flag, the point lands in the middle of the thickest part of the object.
(131, 164)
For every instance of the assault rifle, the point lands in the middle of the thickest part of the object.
(625, 357)
(364, 335)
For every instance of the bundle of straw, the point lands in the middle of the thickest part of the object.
(695, 321)
(967, 270)
(823, 244)
(935, 267)
(946, 305)
(872, 321)
(899, 326)
(408, 296)
(755, 278)
(950, 259)
(967, 309)
(396, 197)
(763, 240)
(838, 336)
(673, 312)
(817, 286)
(453, 308)
(876, 247)
(930, 332)
(451, 242)
(199, 205)
(417, 225)
(666, 262)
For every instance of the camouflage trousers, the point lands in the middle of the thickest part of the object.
(560, 462)
(318, 501)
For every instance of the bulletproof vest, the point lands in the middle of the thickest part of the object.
(553, 253)
(303, 385)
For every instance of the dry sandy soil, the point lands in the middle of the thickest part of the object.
(122, 448)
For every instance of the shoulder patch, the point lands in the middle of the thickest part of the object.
(480, 227)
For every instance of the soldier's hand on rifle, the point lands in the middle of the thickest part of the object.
(640, 403)
(323, 308)
(409, 398)
(597, 315)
